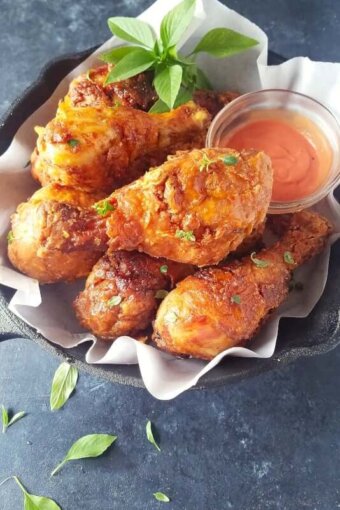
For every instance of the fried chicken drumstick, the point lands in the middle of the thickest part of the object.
(195, 208)
(102, 138)
(218, 308)
(123, 291)
(57, 235)
(103, 148)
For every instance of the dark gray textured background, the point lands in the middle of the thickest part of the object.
(268, 443)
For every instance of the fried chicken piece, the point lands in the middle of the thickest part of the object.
(57, 235)
(89, 89)
(195, 208)
(123, 291)
(103, 148)
(218, 308)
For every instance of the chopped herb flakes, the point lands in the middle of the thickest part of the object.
(230, 160)
(161, 294)
(73, 142)
(114, 301)
(288, 257)
(235, 299)
(103, 207)
(164, 269)
(258, 262)
(205, 162)
(10, 237)
(187, 235)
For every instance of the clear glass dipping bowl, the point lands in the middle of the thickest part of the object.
(239, 111)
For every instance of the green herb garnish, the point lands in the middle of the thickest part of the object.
(85, 447)
(288, 257)
(175, 76)
(114, 301)
(187, 235)
(230, 160)
(103, 207)
(32, 502)
(6, 421)
(160, 496)
(63, 384)
(236, 299)
(149, 435)
(164, 269)
(258, 262)
(205, 162)
(10, 237)
(73, 142)
(161, 294)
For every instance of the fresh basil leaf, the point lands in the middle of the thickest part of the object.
(183, 97)
(149, 435)
(132, 30)
(133, 63)
(176, 21)
(6, 421)
(115, 54)
(64, 382)
(4, 416)
(85, 447)
(223, 42)
(16, 418)
(167, 84)
(32, 502)
(160, 496)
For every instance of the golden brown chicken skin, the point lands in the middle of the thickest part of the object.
(89, 89)
(218, 308)
(123, 291)
(102, 148)
(57, 235)
(195, 208)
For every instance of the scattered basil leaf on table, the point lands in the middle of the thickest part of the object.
(32, 502)
(177, 76)
(149, 435)
(85, 447)
(160, 496)
(64, 382)
(6, 421)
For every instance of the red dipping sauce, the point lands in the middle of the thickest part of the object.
(300, 153)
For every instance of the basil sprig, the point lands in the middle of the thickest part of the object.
(64, 382)
(176, 76)
(85, 447)
(7, 421)
(32, 502)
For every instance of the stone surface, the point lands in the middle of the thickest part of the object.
(268, 443)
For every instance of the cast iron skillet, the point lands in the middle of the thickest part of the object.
(318, 333)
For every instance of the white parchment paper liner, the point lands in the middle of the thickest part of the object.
(49, 309)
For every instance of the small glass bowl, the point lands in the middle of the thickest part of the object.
(241, 109)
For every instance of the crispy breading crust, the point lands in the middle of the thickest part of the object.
(218, 308)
